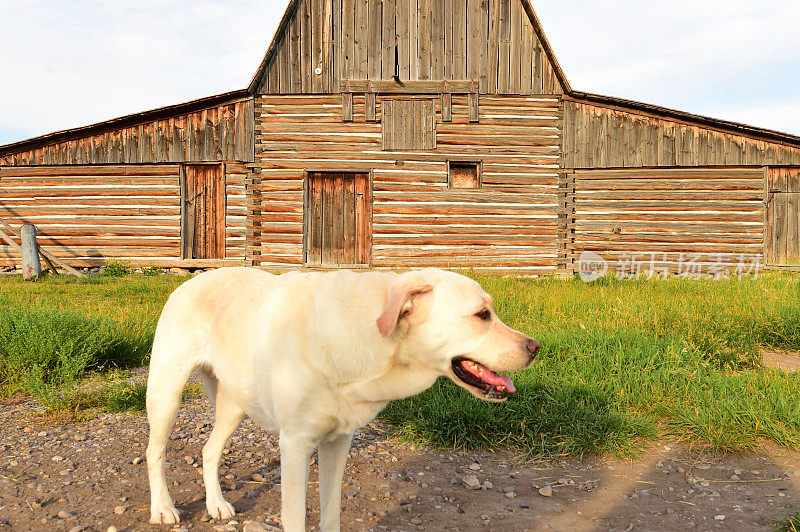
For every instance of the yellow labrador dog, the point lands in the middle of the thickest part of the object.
(313, 357)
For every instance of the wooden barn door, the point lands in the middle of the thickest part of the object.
(203, 227)
(338, 221)
(782, 238)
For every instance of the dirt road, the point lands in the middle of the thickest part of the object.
(91, 476)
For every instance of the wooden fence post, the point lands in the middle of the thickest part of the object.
(31, 267)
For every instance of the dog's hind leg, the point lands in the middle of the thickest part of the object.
(165, 385)
(227, 417)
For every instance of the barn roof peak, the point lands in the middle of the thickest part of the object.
(291, 11)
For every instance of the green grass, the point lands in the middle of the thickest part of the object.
(790, 524)
(622, 362)
(55, 330)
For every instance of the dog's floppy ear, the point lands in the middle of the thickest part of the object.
(400, 302)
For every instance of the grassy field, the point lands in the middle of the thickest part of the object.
(622, 362)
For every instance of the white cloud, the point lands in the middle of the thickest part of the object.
(74, 62)
(732, 59)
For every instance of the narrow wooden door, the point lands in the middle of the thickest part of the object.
(338, 221)
(782, 227)
(203, 227)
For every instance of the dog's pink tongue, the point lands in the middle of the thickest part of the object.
(489, 376)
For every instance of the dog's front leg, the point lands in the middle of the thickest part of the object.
(295, 457)
(332, 461)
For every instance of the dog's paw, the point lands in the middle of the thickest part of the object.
(165, 515)
(220, 509)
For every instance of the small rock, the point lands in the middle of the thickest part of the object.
(404, 502)
(475, 466)
(511, 495)
(138, 460)
(507, 489)
(206, 517)
(251, 495)
(77, 528)
(63, 514)
(119, 510)
(703, 466)
(524, 504)
(719, 517)
(253, 526)
(416, 521)
(487, 485)
(546, 491)
(257, 478)
(734, 477)
(485, 517)
(472, 482)
(79, 437)
(57, 458)
(112, 528)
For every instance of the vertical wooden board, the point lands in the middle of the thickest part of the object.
(307, 46)
(347, 106)
(483, 47)
(295, 64)
(538, 71)
(793, 228)
(430, 118)
(374, 39)
(219, 210)
(449, 36)
(386, 127)
(413, 40)
(328, 48)
(781, 225)
(369, 107)
(526, 57)
(327, 220)
(363, 219)
(460, 39)
(337, 219)
(403, 61)
(437, 49)
(424, 38)
(447, 107)
(360, 43)
(474, 111)
(389, 39)
(473, 14)
(317, 223)
(348, 39)
(336, 46)
(349, 220)
(514, 66)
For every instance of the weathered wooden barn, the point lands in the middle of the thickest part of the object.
(408, 133)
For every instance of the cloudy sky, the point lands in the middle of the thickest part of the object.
(68, 63)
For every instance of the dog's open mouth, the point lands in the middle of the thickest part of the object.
(489, 383)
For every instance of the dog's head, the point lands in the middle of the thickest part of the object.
(447, 322)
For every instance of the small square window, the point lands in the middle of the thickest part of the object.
(464, 175)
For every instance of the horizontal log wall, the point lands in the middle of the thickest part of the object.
(87, 215)
(510, 225)
(221, 133)
(601, 137)
(236, 176)
(492, 41)
(650, 217)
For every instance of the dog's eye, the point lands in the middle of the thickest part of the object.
(485, 315)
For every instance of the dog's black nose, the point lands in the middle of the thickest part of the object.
(532, 346)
